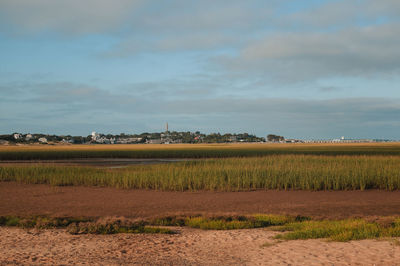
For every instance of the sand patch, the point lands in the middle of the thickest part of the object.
(190, 246)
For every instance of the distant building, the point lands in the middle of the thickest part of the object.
(95, 135)
(293, 141)
(17, 136)
(42, 140)
(155, 141)
(233, 138)
(28, 137)
(341, 140)
(126, 140)
(166, 137)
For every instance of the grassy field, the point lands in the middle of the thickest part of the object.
(54, 152)
(284, 172)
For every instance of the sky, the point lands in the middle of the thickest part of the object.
(302, 69)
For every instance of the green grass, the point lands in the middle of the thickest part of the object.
(115, 228)
(343, 230)
(240, 222)
(40, 222)
(283, 172)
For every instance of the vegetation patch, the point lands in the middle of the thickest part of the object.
(292, 228)
(282, 172)
(342, 230)
(115, 228)
(82, 225)
(227, 222)
(40, 222)
(238, 222)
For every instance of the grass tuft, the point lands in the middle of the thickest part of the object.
(82, 225)
(343, 230)
(116, 228)
(240, 222)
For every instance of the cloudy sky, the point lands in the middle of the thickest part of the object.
(304, 69)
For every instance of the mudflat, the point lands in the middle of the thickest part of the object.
(22, 200)
(189, 247)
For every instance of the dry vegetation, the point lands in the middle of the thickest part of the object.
(54, 152)
(288, 172)
(292, 228)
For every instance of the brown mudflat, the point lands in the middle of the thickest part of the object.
(22, 200)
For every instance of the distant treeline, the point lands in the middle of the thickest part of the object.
(173, 137)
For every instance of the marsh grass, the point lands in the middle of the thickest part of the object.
(239, 222)
(115, 228)
(291, 227)
(191, 150)
(40, 222)
(343, 230)
(283, 172)
(83, 225)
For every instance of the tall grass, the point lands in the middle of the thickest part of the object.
(191, 150)
(284, 172)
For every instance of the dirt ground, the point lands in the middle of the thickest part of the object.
(189, 247)
(22, 200)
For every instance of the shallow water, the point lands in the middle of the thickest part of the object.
(101, 162)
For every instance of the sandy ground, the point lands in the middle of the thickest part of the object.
(23, 200)
(189, 247)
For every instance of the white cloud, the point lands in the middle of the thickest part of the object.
(343, 13)
(303, 56)
(72, 16)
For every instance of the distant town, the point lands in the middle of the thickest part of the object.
(166, 137)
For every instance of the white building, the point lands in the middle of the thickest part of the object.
(42, 140)
(95, 135)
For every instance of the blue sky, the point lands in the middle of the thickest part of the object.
(304, 69)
